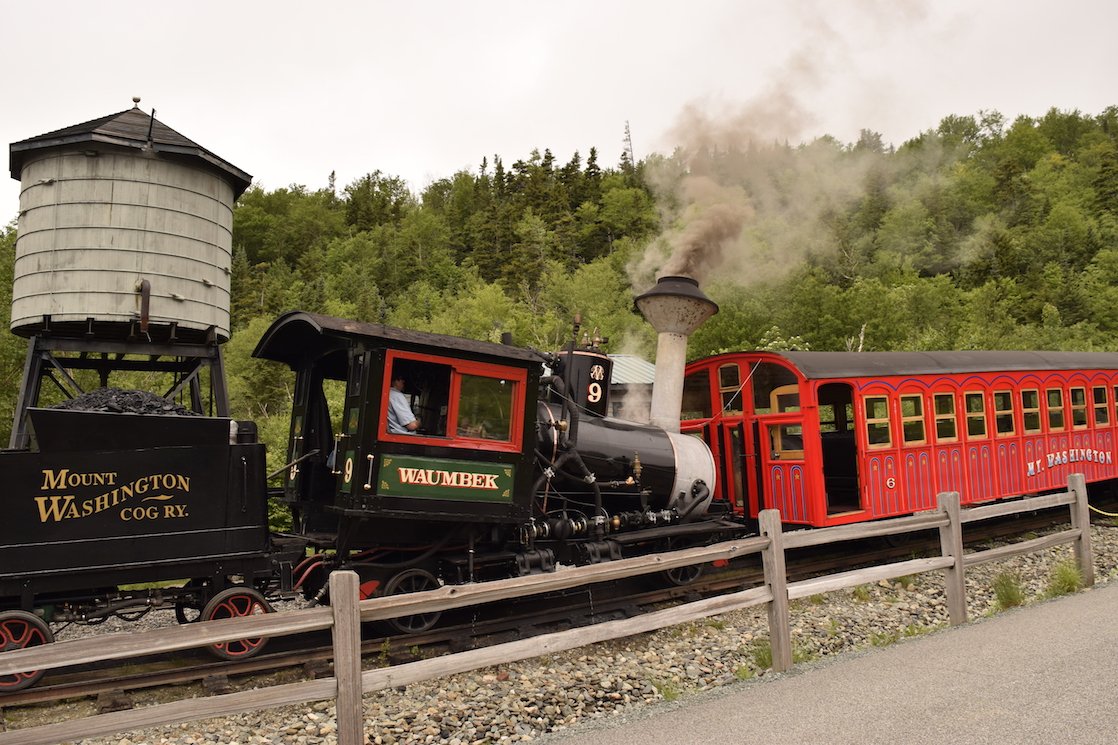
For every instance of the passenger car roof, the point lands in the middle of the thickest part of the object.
(823, 365)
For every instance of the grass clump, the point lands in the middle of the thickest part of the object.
(1008, 591)
(884, 638)
(669, 690)
(762, 655)
(862, 593)
(915, 629)
(1064, 579)
(799, 654)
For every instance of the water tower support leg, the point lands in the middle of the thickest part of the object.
(28, 394)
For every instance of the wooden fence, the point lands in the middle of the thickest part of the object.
(346, 613)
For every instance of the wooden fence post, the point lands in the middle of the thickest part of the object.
(1081, 519)
(951, 544)
(776, 577)
(344, 599)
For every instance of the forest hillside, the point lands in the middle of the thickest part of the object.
(981, 233)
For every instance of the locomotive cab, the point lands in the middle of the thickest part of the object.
(468, 460)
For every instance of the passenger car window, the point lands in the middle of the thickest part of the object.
(976, 414)
(912, 419)
(946, 431)
(1003, 414)
(877, 422)
(1055, 400)
(1078, 398)
(1102, 406)
(1030, 411)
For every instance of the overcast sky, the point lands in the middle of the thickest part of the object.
(290, 91)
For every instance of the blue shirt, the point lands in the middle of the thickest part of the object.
(399, 413)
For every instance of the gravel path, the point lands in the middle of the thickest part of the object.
(525, 701)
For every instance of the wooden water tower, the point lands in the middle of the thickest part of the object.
(123, 259)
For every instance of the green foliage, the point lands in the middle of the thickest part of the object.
(668, 689)
(762, 654)
(13, 349)
(800, 654)
(980, 233)
(278, 226)
(1064, 579)
(1008, 591)
(375, 200)
(884, 638)
(743, 672)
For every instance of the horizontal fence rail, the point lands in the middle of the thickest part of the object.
(347, 612)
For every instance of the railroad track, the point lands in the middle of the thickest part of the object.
(115, 686)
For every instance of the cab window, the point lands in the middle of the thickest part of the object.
(459, 403)
(484, 408)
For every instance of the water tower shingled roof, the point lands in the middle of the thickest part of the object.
(128, 129)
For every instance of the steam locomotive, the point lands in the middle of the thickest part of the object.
(514, 469)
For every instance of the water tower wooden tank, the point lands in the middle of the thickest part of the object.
(123, 257)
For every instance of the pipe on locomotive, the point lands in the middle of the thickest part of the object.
(675, 307)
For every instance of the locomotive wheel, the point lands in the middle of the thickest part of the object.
(412, 580)
(190, 610)
(19, 630)
(681, 576)
(235, 602)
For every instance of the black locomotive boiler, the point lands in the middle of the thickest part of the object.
(514, 467)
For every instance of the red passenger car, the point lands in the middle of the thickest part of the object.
(837, 437)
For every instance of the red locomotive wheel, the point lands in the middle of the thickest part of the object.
(235, 602)
(19, 630)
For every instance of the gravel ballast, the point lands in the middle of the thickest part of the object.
(536, 699)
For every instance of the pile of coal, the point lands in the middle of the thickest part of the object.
(122, 401)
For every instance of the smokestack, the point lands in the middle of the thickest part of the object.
(675, 307)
